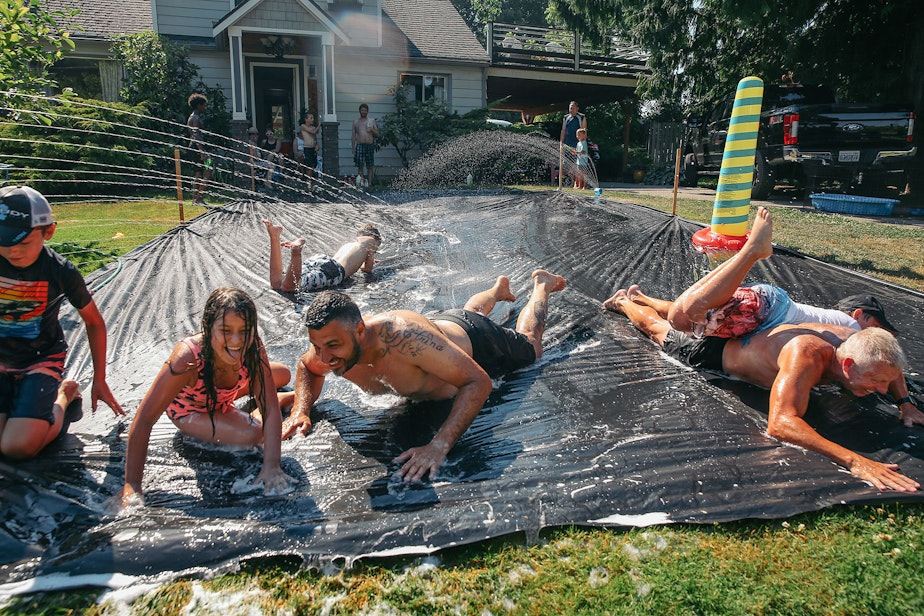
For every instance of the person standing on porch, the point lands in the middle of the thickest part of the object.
(365, 130)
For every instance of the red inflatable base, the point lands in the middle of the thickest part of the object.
(715, 244)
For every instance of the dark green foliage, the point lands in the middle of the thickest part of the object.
(157, 73)
(30, 42)
(477, 13)
(417, 126)
(87, 147)
(700, 49)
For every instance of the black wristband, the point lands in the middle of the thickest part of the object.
(904, 400)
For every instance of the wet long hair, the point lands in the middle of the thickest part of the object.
(220, 302)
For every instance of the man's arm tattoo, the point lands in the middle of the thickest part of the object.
(411, 340)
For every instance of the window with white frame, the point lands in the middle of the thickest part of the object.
(426, 87)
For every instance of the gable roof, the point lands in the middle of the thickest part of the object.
(241, 10)
(430, 29)
(104, 19)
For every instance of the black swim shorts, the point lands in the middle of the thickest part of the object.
(705, 353)
(497, 349)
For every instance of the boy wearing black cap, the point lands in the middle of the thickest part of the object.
(34, 279)
(867, 311)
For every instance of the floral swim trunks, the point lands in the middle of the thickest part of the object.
(321, 272)
(751, 309)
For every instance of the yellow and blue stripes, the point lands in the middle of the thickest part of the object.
(733, 195)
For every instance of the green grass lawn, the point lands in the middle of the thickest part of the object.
(893, 252)
(839, 561)
(93, 234)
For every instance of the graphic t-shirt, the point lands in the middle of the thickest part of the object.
(29, 302)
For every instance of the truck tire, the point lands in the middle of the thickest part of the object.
(763, 183)
(689, 174)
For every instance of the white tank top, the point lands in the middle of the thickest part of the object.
(803, 313)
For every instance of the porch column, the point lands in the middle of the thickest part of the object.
(238, 90)
(328, 102)
(330, 147)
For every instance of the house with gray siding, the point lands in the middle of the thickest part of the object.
(275, 58)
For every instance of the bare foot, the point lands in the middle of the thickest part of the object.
(294, 245)
(760, 241)
(619, 296)
(634, 292)
(502, 291)
(554, 281)
(274, 230)
(68, 391)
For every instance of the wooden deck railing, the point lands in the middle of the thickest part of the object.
(561, 50)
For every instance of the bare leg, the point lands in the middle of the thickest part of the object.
(644, 318)
(634, 294)
(233, 428)
(281, 377)
(286, 399)
(531, 322)
(661, 306)
(197, 187)
(275, 276)
(718, 286)
(293, 277)
(484, 301)
(24, 438)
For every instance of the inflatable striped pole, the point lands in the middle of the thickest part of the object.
(728, 231)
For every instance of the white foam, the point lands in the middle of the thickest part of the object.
(641, 520)
(62, 581)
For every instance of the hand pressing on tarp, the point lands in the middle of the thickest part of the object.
(274, 481)
(420, 461)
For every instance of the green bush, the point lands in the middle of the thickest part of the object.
(88, 147)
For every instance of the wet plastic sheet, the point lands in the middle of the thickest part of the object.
(603, 430)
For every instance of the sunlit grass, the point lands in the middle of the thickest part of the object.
(93, 234)
(853, 560)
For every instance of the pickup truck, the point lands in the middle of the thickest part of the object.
(805, 136)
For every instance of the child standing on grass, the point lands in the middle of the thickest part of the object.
(583, 160)
(197, 387)
(34, 280)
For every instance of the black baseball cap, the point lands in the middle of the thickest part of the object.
(21, 210)
(869, 305)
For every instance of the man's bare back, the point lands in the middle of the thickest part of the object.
(756, 358)
(405, 335)
(358, 254)
(406, 353)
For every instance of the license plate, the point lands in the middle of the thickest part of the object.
(848, 156)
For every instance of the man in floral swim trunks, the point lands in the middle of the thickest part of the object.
(717, 306)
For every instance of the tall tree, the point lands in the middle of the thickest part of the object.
(31, 40)
(700, 48)
(477, 13)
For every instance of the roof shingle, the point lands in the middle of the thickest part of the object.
(432, 29)
(105, 19)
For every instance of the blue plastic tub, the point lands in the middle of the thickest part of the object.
(853, 204)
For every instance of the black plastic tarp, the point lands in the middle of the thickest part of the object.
(603, 430)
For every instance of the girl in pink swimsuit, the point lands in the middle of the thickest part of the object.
(197, 387)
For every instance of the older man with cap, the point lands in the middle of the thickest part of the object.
(716, 306)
